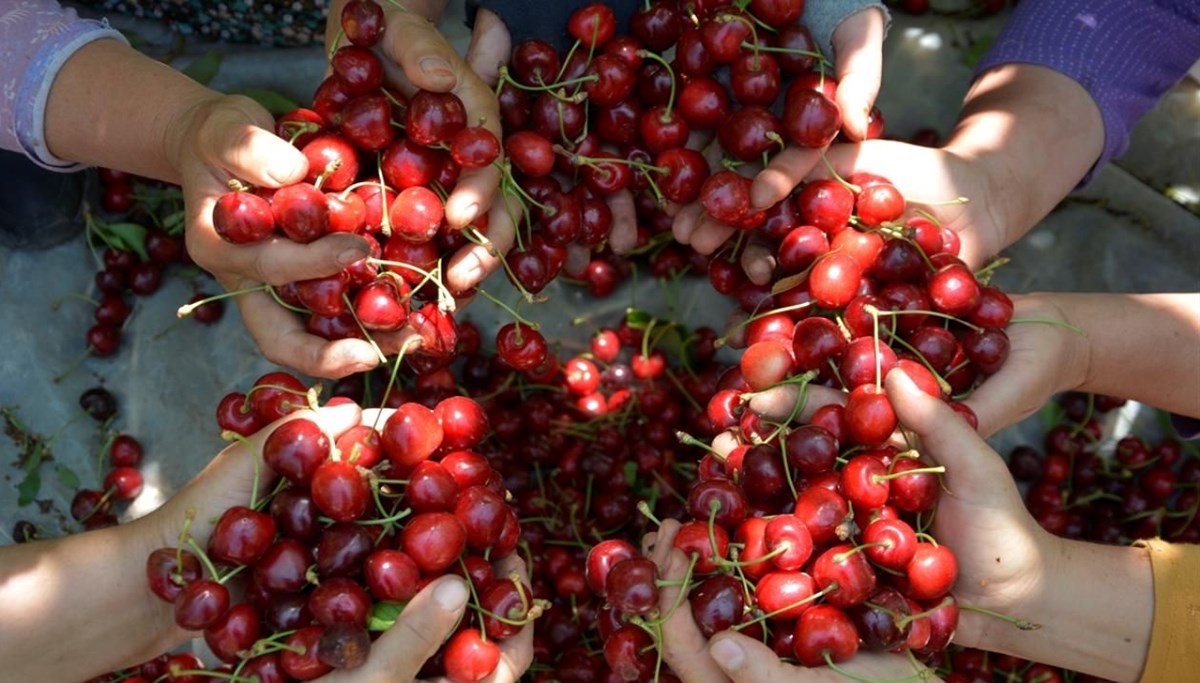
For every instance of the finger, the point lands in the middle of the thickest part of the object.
(746, 660)
(858, 59)
(685, 223)
(473, 263)
(972, 467)
(424, 624)
(623, 235)
(710, 235)
(490, 46)
(682, 643)
(423, 53)
(283, 340)
(239, 139)
(758, 262)
(277, 261)
(472, 195)
(778, 403)
(516, 652)
(785, 171)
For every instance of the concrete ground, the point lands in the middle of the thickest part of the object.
(1134, 229)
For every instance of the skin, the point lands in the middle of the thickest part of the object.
(1007, 563)
(45, 588)
(191, 135)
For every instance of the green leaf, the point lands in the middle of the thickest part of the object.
(1051, 415)
(276, 103)
(637, 318)
(28, 488)
(131, 236)
(630, 472)
(973, 52)
(66, 476)
(384, 615)
(204, 69)
(174, 223)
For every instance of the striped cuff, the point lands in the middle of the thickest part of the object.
(33, 89)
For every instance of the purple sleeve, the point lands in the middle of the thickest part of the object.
(36, 39)
(1125, 53)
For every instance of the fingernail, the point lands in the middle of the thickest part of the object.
(436, 67)
(450, 595)
(728, 654)
(351, 256)
(470, 213)
(284, 171)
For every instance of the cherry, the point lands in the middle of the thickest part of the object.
(103, 340)
(717, 604)
(898, 543)
(870, 418)
(749, 132)
(601, 558)
(233, 633)
(816, 341)
(765, 364)
(811, 449)
(324, 296)
(931, 573)
(703, 102)
(827, 204)
(630, 654)
(520, 347)
(340, 491)
(474, 147)
(295, 449)
(391, 575)
(754, 78)
(464, 424)
(301, 212)
(954, 290)
(882, 620)
(777, 13)
(411, 434)
(434, 540)
(344, 646)
(810, 119)
(592, 25)
(612, 81)
(200, 604)
(825, 513)
(358, 69)
(339, 600)
(406, 164)
(124, 451)
(300, 658)
(834, 279)
(363, 22)
(241, 536)
(294, 514)
(630, 586)
(725, 196)
(824, 633)
(366, 122)
(481, 513)
(434, 118)
(416, 214)
(243, 218)
(784, 594)
(382, 304)
(342, 549)
(167, 576)
(788, 533)
(331, 158)
(986, 348)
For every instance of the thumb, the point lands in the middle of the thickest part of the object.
(239, 138)
(858, 58)
(490, 46)
(427, 59)
(971, 465)
(427, 620)
(746, 660)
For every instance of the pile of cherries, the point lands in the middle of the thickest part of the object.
(135, 257)
(354, 530)
(93, 508)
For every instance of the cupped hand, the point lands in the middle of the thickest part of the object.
(730, 656)
(1002, 553)
(1045, 357)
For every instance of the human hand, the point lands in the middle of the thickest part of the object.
(730, 656)
(1001, 551)
(1045, 357)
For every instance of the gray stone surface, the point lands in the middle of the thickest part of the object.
(1119, 234)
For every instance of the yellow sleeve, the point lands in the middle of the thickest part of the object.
(1175, 638)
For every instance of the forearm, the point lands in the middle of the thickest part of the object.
(1095, 610)
(113, 106)
(1034, 133)
(79, 606)
(1144, 347)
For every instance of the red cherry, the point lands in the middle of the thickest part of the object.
(434, 540)
(824, 631)
(243, 218)
(411, 435)
(340, 491)
(592, 25)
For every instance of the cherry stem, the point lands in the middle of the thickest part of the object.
(789, 50)
(1023, 624)
(560, 85)
(689, 440)
(445, 298)
(362, 328)
(842, 181)
(412, 342)
(654, 56)
(919, 675)
(644, 508)
(921, 535)
(187, 309)
(951, 318)
(511, 311)
(903, 621)
(724, 339)
(770, 615)
(941, 381)
(842, 557)
(204, 559)
(878, 478)
(74, 364)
